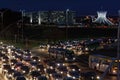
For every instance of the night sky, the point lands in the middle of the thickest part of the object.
(83, 7)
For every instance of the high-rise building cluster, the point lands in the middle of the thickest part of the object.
(55, 17)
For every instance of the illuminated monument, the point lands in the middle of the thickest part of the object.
(102, 18)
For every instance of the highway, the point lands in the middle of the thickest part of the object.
(82, 63)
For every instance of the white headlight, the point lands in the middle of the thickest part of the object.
(73, 77)
(34, 60)
(38, 69)
(98, 77)
(66, 59)
(10, 75)
(114, 71)
(61, 72)
(51, 67)
(73, 69)
(73, 58)
(58, 64)
(23, 71)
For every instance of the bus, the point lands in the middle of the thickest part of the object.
(101, 63)
(67, 55)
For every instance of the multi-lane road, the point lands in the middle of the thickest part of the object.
(81, 64)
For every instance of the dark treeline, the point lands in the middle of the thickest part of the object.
(55, 33)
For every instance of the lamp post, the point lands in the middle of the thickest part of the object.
(22, 32)
(118, 48)
(67, 24)
(2, 20)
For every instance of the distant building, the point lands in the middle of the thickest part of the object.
(55, 17)
(102, 18)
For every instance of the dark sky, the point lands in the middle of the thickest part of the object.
(83, 7)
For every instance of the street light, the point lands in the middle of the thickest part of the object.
(22, 14)
(118, 48)
(67, 23)
(2, 18)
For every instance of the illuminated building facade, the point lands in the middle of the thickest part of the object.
(55, 17)
(102, 18)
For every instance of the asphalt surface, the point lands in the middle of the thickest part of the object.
(83, 66)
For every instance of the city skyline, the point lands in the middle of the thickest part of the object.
(82, 7)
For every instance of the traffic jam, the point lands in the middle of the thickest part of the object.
(19, 64)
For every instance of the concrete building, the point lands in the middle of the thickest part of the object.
(55, 17)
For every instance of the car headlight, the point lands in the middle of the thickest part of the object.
(61, 72)
(92, 77)
(10, 75)
(33, 66)
(66, 59)
(38, 69)
(98, 77)
(73, 58)
(58, 64)
(73, 77)
(5, 70)
(39, 60)
(73, 69)
(114, 71)
(23, 71)
(68, 75)
(12, 67)
(3, 59)
(34, 60)
(51, 67)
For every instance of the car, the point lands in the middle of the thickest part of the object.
(91, 75)
(9, 74)
(59, 63)
(41, 78)
(56, 76)
(50, 71)
(33, 64)
(68, 78)
(20, 78)
(74, 74)
(36, 58)
(26, 59)
(5, 59)
(34, 75)
(40, 68)
(25, 69)
(62, 69)
(5, 68)
(17, 74)
(13, 61)
(73, 67)
(18, 66)
(51, 64)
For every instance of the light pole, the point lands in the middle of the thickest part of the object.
(67, 24)
(2, 20)
(118, 48)
(22, 33)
